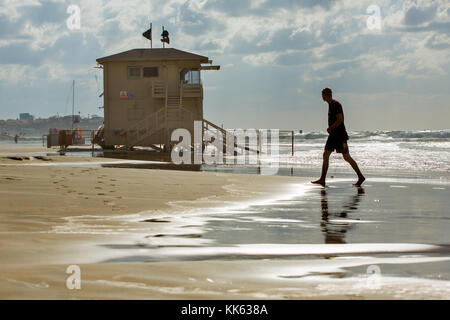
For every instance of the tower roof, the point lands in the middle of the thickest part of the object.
(157, 54)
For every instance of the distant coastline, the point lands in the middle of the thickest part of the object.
(32, 129)
(6, 137)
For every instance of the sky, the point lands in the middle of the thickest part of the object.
(386, 61)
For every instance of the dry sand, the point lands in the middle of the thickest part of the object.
(23, 148)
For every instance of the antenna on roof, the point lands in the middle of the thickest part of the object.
(148, 34)
(165, 36)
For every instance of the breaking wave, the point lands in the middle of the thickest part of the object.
(425, 135)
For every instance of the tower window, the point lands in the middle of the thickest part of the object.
(190, 76)
(150, 72)
(134, 72)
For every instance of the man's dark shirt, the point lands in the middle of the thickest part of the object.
(334, 108)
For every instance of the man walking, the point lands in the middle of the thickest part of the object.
(337, 139)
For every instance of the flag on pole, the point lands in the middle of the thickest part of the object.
(148, 34)
(165, 36)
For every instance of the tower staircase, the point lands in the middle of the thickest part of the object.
(172, 116)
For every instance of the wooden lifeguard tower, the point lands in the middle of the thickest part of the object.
(150, 92)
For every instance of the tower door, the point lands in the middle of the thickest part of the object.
(173, 78)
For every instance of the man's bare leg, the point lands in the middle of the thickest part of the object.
(326, 161)
(352, 162)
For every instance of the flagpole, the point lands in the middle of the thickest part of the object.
(163, 41)
(73, 102)
(151, 37)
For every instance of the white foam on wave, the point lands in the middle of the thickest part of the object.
(321, 268)
(93, 224)
(410, 181)
(192, 208)
(279, 250)
(183, 217)
(347, 221)
(272, 220)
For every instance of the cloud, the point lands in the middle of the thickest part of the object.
(416, 15)
(275, 48)
(12, 9)
(261, 59)
(19, 53)
(438, 41)
(424, 16)
(45, 12)
(195, 23)
(439, 27)
(239, 8)
(14, 73)
(296, 58)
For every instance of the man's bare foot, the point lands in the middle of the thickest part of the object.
(321, 182)
(359, 182)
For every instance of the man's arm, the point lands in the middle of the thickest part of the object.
(337, 123)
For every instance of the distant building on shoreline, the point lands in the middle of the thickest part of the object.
(41, 126)
(26, 117)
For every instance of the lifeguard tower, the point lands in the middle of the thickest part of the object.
(150, 92)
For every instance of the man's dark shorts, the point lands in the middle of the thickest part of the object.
(336, 143)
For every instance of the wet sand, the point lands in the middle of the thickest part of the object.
(205, 280)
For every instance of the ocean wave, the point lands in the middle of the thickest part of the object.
(400, 134)
(312, 135)
(425, 135)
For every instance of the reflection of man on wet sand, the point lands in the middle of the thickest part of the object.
(337, 139)
(335, 232)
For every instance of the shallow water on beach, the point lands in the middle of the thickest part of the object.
(402, 227)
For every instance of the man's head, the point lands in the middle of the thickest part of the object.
(327, 95)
